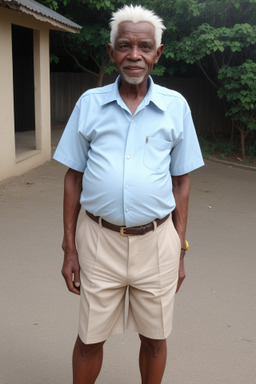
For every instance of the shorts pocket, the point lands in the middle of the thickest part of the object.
(157, 155)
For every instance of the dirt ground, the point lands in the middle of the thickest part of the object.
(214, 334)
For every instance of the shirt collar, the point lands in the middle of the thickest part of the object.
(154, 96)
(112, 93)
(151, 96)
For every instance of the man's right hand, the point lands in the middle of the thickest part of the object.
(71, 209)
(71, 271)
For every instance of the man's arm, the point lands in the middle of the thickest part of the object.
(181, 188)
(71, 209)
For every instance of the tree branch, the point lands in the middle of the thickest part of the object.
(205, 73)
(95, 61)
(77, 61)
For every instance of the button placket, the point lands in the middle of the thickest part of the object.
(128, 165)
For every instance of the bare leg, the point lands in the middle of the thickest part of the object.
(87, 362)
(152, 360)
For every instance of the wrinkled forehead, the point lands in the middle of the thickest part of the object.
(140, 30)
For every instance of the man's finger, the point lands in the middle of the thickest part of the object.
(77, 279)
(70, 283)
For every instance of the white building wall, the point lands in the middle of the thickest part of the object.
(7, 139)
(10, 165)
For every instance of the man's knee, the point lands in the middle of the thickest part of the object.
(154, 347)
(86, 350)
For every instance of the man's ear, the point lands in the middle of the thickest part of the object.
(159, 52)
(111, 52)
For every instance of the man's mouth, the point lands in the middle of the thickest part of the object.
(133, 69)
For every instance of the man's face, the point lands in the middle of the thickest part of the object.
(135, 51)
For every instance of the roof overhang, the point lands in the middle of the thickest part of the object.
(42, 13)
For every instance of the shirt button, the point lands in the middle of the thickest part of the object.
(128, 157)
(126, 187)
(127, 210)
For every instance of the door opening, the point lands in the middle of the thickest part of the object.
(23, 83)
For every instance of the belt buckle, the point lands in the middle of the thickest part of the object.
(122, 229)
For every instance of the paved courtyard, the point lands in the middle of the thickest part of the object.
(214, 335)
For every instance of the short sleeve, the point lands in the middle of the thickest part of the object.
(186, 155)
(73, 147)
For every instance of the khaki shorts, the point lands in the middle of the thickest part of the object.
(141, 270)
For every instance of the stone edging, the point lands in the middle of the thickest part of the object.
(231, 163)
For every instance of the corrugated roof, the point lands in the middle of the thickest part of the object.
(42, 13)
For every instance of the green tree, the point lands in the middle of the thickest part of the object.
(53, 4)
(87, 49)
(211, 48)
(212, 35)
(238, 87)
(220, 39)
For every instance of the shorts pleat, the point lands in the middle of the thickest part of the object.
(111, 264)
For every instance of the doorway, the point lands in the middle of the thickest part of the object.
(23, 84)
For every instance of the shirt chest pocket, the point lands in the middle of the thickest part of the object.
(157, 154)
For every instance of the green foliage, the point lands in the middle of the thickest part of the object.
(53, 58)
(207, 33)
(238, 87)
(87, 49)
(216, 36)
(221, 147)
(104, 4)
(53, 4)
(220, 39)
(159, 70)
(251, 150)
(211, 34)
(206, 40)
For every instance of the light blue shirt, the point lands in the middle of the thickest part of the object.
(128, 160)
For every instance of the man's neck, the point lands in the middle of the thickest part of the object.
(133, 94)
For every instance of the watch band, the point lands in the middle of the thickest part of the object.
(187, 246)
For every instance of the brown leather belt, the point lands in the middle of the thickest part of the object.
(140, 230)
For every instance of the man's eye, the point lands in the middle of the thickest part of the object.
(146, 46)
(123, 46)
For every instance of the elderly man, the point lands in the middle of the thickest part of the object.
(129, 147)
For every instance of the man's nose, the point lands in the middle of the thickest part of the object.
(135, 53)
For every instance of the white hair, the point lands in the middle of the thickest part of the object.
(136, 14)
